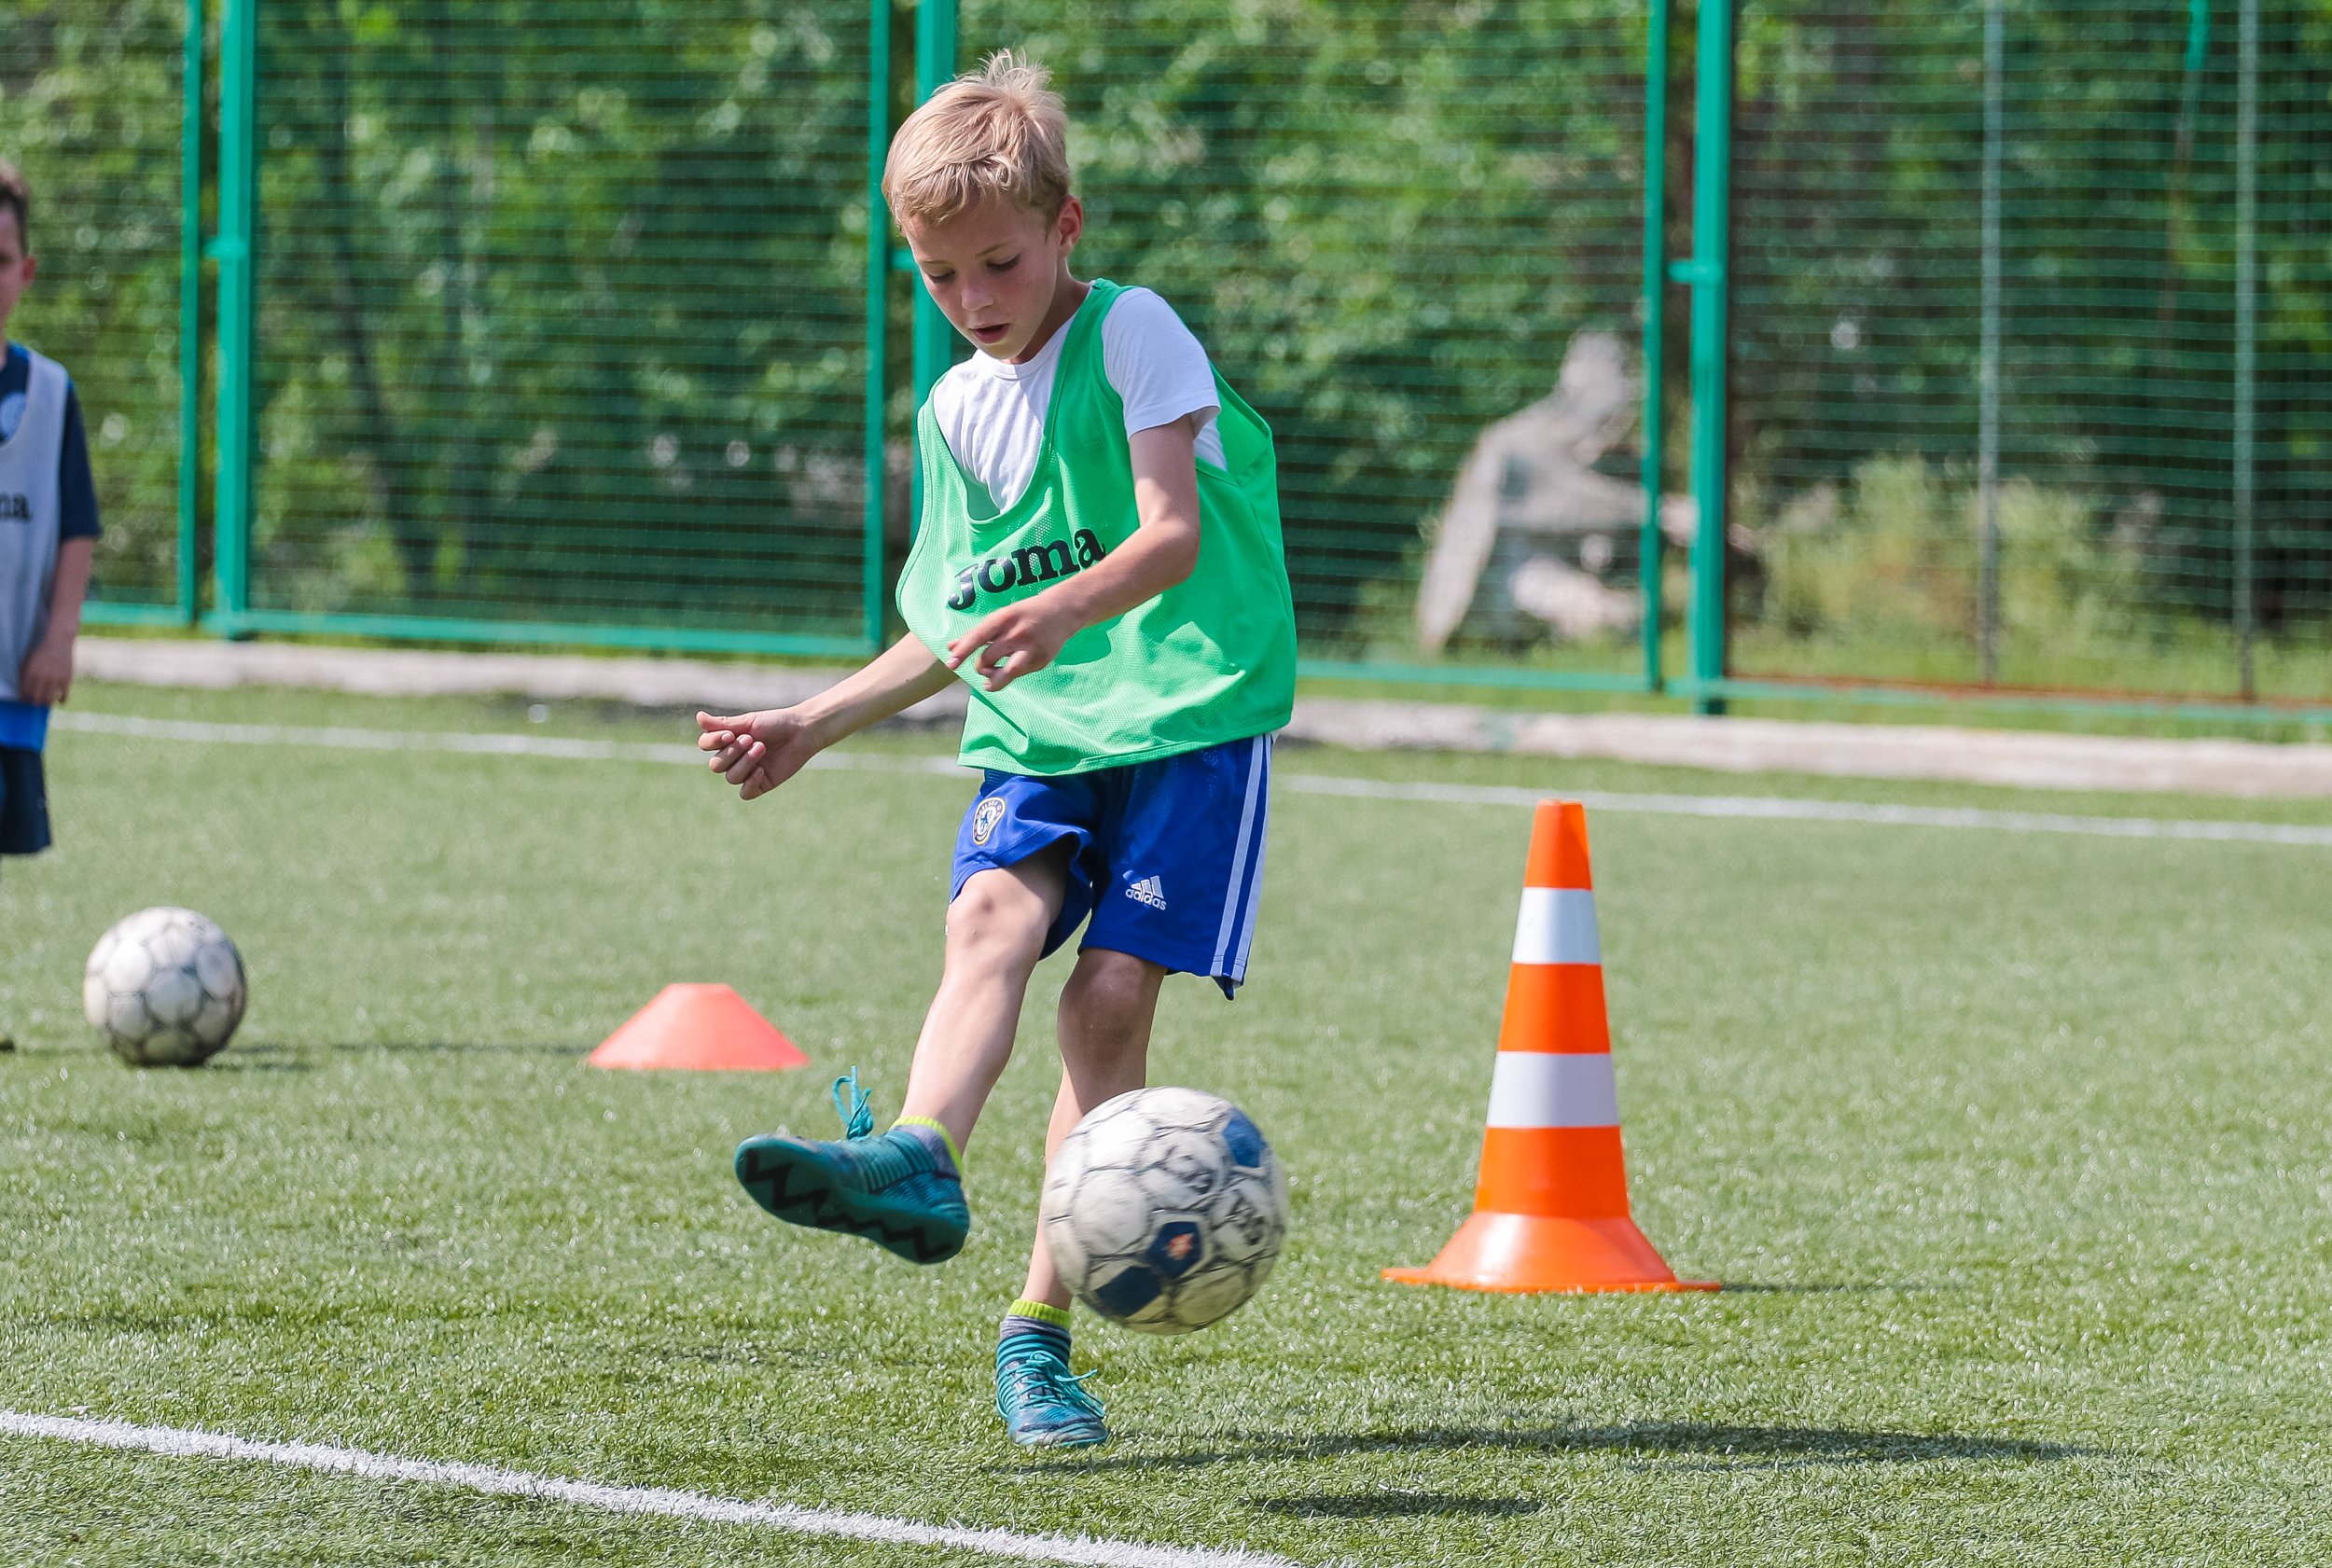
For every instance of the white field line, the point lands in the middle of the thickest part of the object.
(669, 1503)
(1768, 808)
(340, 739)
(1787, 809)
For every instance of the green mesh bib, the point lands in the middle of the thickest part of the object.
(1211, 660)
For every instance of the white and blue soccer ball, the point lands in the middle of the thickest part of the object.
(165, 988)
(1164, 1209)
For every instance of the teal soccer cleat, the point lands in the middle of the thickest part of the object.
(1044, 1407)
(894, 1190)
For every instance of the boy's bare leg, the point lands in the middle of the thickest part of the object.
(995, 933)
(900, 1190)
(1107, 1010)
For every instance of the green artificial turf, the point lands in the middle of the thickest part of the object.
(2011, 1149)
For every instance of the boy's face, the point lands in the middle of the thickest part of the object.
(999, 272)
(16, 266)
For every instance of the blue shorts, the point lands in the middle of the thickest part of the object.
(24, 802)
(1169, 856)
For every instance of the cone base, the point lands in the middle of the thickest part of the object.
(699, 1028)
(1541, 1253)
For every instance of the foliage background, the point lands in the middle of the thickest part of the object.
(1858, 179)
(560, 323)
(90, 111)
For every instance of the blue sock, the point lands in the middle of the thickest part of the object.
(934, 1137)
(1036, 1321)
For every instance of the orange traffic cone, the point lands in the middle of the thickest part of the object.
(1550, 1212)
(706, 1027)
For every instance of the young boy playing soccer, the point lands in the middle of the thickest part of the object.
(48, 528)
(1099, 559)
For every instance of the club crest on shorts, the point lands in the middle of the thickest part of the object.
(984, 818)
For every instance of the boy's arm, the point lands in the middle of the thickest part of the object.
(1163, 550)
(46, 677)
(757, 751)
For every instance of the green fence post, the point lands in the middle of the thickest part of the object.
(1988, 353)
(234, 249)
(1710, 273)
(1655, 336)
(935, 67)
(2246, 345)
(931, 338)
(191, 315)
(878, 299)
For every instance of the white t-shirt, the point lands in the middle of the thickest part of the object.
(992, 414)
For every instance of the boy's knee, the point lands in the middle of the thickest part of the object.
(1113, 993)
(995, 919)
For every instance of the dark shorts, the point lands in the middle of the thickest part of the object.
(1168, 860)
(24, 802)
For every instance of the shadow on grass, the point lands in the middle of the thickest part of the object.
(1704, 1445)
(260, 1057)
(1750, 1287)
(1393, 1505)
(289, 1051)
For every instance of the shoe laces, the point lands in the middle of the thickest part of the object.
(1037, 1372)
(856, 1110)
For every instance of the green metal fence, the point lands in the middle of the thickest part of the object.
(94, 110)
(2029, 370)
(1389, 227)
(558, 322)
(1940, 348)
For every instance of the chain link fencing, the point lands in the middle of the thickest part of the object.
(2032, 373)
(578, 324)
(1393, 232)
(92, 112)
(561, 320)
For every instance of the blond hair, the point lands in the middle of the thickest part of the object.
(17, 197)
(998, 129)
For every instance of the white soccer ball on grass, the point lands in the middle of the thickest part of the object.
(165, 986)
(1165, 1209)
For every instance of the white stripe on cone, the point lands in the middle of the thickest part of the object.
(1556, 926)
(1551, 1088)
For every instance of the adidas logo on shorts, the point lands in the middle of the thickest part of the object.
(1149, 891)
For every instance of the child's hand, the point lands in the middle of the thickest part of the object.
(1016, 641)
(48, 673)
(757, 752)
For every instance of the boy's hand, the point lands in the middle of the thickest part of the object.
(1017, 640)
(46, 677)
(1022, 638)
(757, 752)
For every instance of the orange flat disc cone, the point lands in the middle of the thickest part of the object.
(1528, 1252)
(705, 1028)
